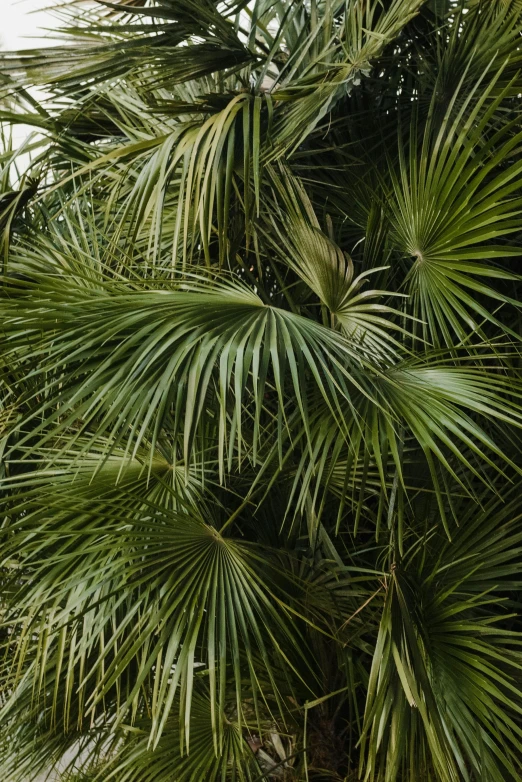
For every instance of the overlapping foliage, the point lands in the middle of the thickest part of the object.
(260, 393)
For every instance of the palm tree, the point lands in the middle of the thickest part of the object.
(261, 393)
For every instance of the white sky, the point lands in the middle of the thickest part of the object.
(21, 23)
(22, 26)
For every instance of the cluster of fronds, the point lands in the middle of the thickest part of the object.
(261, 393)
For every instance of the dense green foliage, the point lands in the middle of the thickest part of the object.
(261, 393)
